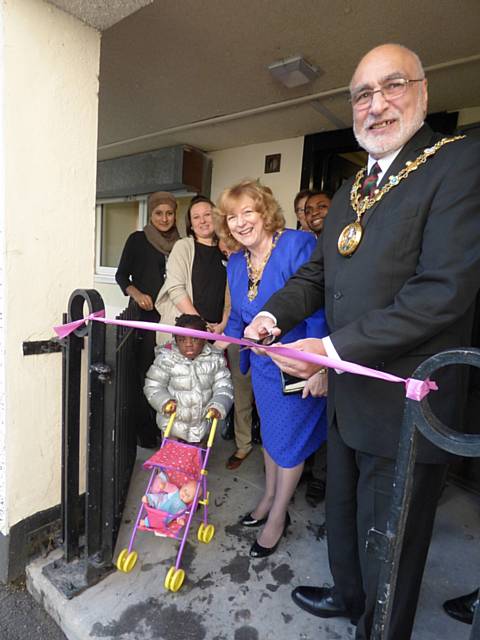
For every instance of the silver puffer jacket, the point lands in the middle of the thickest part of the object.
(196, 385)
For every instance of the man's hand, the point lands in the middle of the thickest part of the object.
(317, 385)
(298, 368)
(169, 407)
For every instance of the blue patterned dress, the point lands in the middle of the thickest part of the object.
(292, 428)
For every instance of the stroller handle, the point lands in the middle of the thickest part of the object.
(211, 437)
(169, 425)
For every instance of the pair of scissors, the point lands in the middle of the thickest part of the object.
(265, 341)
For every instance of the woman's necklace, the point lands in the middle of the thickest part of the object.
(255, 273)
(351, 235)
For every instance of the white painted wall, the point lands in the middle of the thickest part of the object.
(232, 165)
(51, 64)
(113, 298)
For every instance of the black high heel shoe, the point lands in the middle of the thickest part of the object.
(249, 521)
(257, 551)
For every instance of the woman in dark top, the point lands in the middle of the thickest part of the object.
(140, 275)
(196, 274)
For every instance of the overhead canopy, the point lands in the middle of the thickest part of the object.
(195, 72)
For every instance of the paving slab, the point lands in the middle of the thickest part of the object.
(229, 596)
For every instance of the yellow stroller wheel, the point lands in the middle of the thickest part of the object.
(174, 579)
(205, 533)
(126, 561)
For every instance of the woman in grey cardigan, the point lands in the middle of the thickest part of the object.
(196, 277)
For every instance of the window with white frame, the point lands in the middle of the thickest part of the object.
(115, 221)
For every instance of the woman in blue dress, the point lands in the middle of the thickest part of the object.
(293, 426)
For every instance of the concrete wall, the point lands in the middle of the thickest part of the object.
(51, 63)
(231, 165)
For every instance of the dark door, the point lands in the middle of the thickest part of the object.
(329, 159)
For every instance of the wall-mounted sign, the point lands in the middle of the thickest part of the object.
(272, 163)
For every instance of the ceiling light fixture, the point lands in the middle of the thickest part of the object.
(293, 72)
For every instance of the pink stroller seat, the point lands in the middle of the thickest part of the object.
(181, 463)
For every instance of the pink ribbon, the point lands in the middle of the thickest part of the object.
(64, 330)
(414, 389)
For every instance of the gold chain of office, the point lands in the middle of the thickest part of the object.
(351, 235)
(255, 274)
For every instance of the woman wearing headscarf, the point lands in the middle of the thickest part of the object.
(140, 275)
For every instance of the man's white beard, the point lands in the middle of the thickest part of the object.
(379, 148)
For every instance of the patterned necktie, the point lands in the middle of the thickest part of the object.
(369, 183)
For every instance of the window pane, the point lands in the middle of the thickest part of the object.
(119, 220)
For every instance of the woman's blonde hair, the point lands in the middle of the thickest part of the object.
(264, 203)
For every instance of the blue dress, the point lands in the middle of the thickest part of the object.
(292, 428)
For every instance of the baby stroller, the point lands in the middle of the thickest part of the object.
(179, 462)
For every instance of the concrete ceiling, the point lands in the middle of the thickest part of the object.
(195, 71)
(98, 14)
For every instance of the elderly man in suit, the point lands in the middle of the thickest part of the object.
(397, 268)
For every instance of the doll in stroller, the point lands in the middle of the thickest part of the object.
(177, 486)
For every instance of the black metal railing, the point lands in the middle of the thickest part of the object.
(90, 521)
(120, 344)
(418, 418)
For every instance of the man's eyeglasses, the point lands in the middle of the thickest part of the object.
(391, 90)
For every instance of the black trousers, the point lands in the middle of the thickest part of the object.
(319, 463)
(146, 427)
(359, 490)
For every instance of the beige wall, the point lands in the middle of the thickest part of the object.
(51, 63)
(231, 165)
(468, 116)
(113, 298)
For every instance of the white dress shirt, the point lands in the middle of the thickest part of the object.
(383, 163)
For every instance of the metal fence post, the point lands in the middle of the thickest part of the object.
(417, 416)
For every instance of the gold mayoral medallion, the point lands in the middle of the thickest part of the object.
(351, 235)
(349, 239)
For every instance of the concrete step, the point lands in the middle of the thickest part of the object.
(229, 596)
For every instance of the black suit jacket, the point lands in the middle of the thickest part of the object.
(404, 295)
